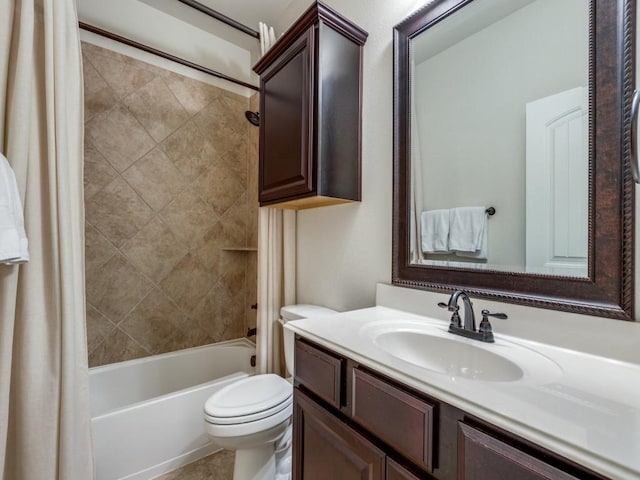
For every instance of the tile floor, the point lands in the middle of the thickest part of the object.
(218, 466)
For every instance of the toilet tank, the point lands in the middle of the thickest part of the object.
(296, 312)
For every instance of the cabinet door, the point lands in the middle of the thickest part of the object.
(483, 457)
(285, 123)
(326, 448)
(395, 471)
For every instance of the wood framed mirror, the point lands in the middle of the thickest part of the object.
(439, 52)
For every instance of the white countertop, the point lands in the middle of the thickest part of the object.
(581, 406)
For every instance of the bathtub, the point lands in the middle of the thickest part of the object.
(147, 415)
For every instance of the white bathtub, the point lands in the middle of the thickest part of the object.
(147, 414)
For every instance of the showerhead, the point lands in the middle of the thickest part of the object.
(253, 117)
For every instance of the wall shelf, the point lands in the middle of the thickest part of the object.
(239, 249)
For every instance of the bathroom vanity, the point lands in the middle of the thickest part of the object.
(370, 403)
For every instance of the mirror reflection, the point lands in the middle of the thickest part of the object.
(500, 124)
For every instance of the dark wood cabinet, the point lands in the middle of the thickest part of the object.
(395, 471)
(327, 448)
(484, 457)
(353, 422)
(310, 113)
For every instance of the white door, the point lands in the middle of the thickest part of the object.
(557, 183)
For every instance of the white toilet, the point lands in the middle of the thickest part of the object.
(253, 416)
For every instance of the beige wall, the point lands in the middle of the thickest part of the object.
(343, 251)
(168, 163)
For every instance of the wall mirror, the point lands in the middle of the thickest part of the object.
(512, 133)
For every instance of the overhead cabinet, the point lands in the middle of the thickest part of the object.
(310, 113)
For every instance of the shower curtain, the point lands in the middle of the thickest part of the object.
(416, 190)
(276, 284)
(44, 402)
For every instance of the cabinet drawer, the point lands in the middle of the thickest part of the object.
(401, 420)
(484, 457)
(319, 372)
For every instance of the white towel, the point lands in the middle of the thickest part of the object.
(434, 231)
(468, 232)
(13, 239)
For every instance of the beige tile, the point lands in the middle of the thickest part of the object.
(207, 248)
(98, 328)
(97, 171)
(194, 336)
(228, 232)
(192, 94)
(122, 75)
(254, 101)
(228, 130)
(157, 109)
(155, 178)
(189, 217)
(233, 267)
(252, 225)
(188, 283)
(119, 137)
(251, 289)
(116, 347)
(219, 315)
(219, 188)
(236, 103)
(98, 250)
(96, 53)
(98, 96)
(190, 150)
(116, 288)
(151, 323)
(155, 250)
(118, 212)
(235, 158)
(234, 223)
(218, 466)
(220, 117)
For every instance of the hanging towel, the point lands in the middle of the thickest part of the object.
(13, 239)
(434, 231)
(468, 232)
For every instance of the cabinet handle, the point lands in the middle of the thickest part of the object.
(635, 103)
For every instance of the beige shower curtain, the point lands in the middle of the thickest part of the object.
(44, 404)
(276, 284)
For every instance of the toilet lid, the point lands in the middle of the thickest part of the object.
(256, 397)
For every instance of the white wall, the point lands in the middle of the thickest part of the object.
(470, 109)
(343, 251)
(141, 22)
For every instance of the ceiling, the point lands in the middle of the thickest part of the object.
(249, 12)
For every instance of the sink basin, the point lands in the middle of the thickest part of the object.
(448, 356)
(429, 346)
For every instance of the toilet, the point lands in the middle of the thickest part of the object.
(253, 415)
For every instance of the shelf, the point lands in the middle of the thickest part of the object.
(239, 249)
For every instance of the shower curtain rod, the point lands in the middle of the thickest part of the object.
(221, 17)
(165, 55)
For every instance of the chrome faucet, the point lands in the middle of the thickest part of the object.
(468, 328)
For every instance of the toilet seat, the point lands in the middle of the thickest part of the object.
(249, 400)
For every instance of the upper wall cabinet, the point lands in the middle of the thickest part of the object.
(310, 109)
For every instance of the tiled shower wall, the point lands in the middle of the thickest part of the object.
(170, 182)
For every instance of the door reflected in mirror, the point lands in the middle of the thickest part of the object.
(500, 118)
